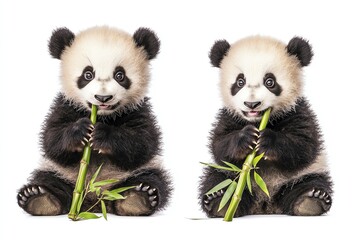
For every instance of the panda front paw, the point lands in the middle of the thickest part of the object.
(78, 135)
(100, 139)
(246, 141)
(265, 144)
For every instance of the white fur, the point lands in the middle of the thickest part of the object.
(254, 57)
(108, 170)
(104, 49)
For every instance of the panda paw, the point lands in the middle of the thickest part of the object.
(313, 203)
(78, 135)
(211, 204)
(100, 140)
(140, 201)
(36, 200)
(151, 192)
(265, 144)
(246, 141)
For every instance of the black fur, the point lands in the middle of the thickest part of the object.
(144, 37)
(218, 52)
(128, 141)
(288, 194)
(290, 143)
(301, 49)
(60, 39)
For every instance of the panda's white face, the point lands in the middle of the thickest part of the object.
(258, 73)
(104, 67)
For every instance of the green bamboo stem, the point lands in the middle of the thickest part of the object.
(84, 163)
(240, 187)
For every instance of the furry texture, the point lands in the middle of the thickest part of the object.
(218, 51)
(258, 73)
(109, 68)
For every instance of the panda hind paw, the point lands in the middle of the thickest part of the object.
(36, 200)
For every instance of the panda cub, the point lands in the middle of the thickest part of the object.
(109, 68)
(257, 73)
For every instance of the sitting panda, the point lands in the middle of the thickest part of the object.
(257, 73)
(109, 68)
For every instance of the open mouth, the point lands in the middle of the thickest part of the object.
(253, 114)
(106, 106)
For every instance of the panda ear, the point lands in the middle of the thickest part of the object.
(218, 52)
(145, 37)
(301, 49)
(60, 38)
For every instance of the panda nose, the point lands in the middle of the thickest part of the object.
(252, 105)
(104, 98)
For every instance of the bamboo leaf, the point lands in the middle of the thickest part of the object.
(93, 178)
(97, 191)
(105, 182)
(112, 196)
(248, 182)
(260, 182)
(103, 209)
(232, 166)
(122, 189)
(87, 215)
(257, 159)
(227, 195)
(218, 167)
(221, 185)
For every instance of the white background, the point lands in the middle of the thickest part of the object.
(185, 97)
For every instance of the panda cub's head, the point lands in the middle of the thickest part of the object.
(260, 72)
(104, 66)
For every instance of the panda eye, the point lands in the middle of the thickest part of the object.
(269, 82)
(119, 76)
(240, 82)
(88, 75)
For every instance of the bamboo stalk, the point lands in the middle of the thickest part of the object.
(236, 198)
(84, 163)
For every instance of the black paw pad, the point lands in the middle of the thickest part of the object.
(151, 192)
(208, 199)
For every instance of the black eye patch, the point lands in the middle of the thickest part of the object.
(271, 84)
(239, 83)
(86, 76)
(120, 77)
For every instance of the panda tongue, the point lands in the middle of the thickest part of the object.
(104, 106)
(253, 113)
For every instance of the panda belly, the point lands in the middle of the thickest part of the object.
(108, 170)
(277, 180)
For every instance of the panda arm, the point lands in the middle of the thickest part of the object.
(63, 132)
(232, 141)
(131, 141)
(293, 142)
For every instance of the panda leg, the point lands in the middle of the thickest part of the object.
(45, 195)
(210, 203)
(151, 193)
(308, 196)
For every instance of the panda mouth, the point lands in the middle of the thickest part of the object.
(106, 106)
(253, 114)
